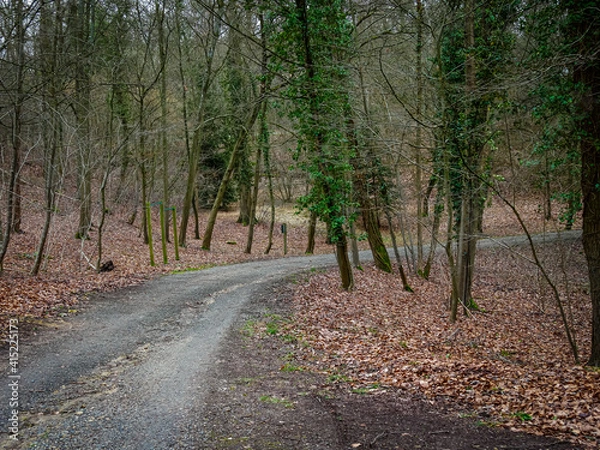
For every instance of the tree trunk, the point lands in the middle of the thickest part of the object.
(354, 247)
(378, 249)
(120, 106)
(10, 200)
(419, 135)
(547, 189)
(454, 276)
(263, 142)
(341, 253)
(144, 202)
(267, 156)
(430, 185)
(104, 210)
(324, 152)
(50, 199)
(367, 207)
(591, 237)
(85, 195)
(19, 98)
(589, 76)
(403, 277)
(196, 145)
(143, 169)
(467, 245)
(405, 232)
(241, 139)
(164, 143)
(191, 176)
(312, 231)
(82, 109)
(254, 199)
(50, 125)
(196, 217)
(244, 186)
(17, 214)
(435, 227)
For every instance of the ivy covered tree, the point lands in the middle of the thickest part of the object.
(475, 52)
(313, 47)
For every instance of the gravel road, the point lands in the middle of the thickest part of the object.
(127, 372)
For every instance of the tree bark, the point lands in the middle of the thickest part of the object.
(10, 201)
(17, 214)
(104, 210)
(435, 227)
(591, 236)
(244, 187)
(331, 198)
(194, 158)
(370, 222)
(143, 169)
(312, 231)
(589, 124)
(354, 247)
(470, 190)
(50, 201)
(341, 253)
(254, 198)
(403, 277)
(48, 38)
(196, 216)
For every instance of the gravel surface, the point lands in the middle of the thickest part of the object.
(128, 370)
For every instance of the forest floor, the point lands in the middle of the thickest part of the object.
(68, 267)
(277, 386)
(508, 364)
(374, 357)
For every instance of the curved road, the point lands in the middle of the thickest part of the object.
(127, 373)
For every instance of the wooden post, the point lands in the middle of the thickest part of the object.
(149, 226)
(175, 238)
(163, 233)
(284, 231)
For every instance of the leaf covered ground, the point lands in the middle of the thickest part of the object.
(508, 364)
(67, 273)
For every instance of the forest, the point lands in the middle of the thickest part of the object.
(389, 125)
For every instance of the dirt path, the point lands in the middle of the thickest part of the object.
(144, 367)
(128, 370)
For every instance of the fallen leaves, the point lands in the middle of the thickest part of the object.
(509, 364)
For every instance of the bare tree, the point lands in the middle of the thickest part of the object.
(209, 38)
(17, 96)
(50, 48)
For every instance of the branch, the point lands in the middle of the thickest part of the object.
(85, 257)
(397, 97)
(537, 262)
